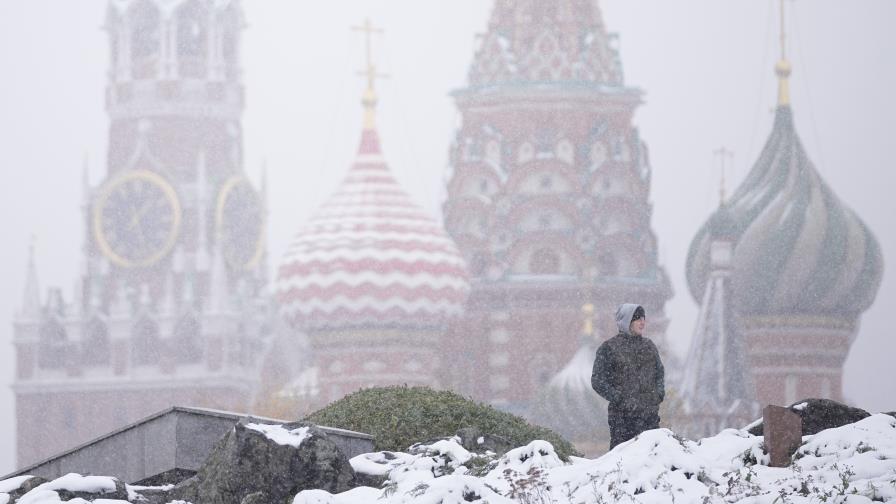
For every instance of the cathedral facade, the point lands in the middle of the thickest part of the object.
(547, 228)
(167, 308)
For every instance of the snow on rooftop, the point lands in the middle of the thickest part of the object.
(280, 435)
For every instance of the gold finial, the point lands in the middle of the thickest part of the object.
(782, 68)
(722, 153)
(369, 99)
(588, 316)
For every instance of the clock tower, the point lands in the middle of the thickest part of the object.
(167, 308)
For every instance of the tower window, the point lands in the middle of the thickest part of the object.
(230, 33)
(95, 349)
(145, 343)
(607, 264)
(544, 262)
(546, 182)
(188, 340)
(53, 342)
(145, 41)
(192, 40)
(478, 263)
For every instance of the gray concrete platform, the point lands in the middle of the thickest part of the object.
(166, 447)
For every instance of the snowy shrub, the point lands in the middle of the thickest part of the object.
(399, 417)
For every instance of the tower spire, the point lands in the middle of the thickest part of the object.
(783, 68)
(31, 299)
(369, 98)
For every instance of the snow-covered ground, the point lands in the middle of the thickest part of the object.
(852, 464)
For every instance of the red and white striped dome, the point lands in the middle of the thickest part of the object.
(371, 257)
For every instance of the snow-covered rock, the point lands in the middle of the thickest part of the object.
(71, 488)
(259, 463)
(818, 415)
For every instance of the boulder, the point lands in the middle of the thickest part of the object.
(69, 487)
(477, 441)
(120, 493)
(820, 414)
(268, 463)
(24, 486)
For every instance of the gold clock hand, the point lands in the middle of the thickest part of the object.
(138, 215)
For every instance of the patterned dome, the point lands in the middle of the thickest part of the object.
(798, 248)
(370, 257)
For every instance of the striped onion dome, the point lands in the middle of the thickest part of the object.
(798, 249)
(370, 257)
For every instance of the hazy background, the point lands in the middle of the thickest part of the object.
(706, 67)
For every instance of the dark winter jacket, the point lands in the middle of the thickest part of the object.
(627, 370)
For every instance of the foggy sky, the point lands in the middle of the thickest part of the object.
(705, 65)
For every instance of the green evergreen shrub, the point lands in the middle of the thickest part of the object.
(400, 416)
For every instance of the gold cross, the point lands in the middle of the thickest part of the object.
(722, 153)
(370, 71)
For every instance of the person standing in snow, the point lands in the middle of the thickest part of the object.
(629, 374)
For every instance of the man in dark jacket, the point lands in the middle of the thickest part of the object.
(629, 374)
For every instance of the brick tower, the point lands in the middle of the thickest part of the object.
(548, 199)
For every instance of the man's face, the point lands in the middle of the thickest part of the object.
(637, 327)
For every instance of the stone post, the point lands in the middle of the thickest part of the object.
(783, 432)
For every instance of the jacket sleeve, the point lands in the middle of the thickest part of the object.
(600, 375)
(660, 375)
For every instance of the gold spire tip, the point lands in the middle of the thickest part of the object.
(782, 67)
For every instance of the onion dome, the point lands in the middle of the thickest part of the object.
(371, 257)
(798, 249)
(567, 403)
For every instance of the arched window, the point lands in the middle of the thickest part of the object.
(146, 43)
(229, 28)
(95, 349)
(187, 340)
(146, 346)
(478, 264)
(544, 262)
(192, 40)
(53, 340)
(607, 264)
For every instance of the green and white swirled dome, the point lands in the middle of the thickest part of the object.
(798, 250)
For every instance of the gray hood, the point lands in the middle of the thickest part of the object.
(624, 315)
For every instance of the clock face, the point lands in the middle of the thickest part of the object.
(136, 219)
(240, 221)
